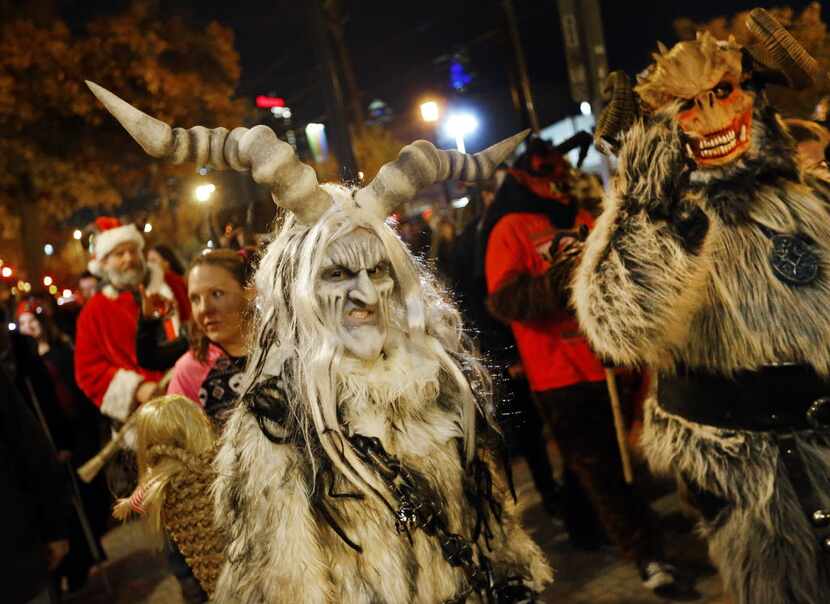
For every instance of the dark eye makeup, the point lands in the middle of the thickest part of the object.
(722, 90)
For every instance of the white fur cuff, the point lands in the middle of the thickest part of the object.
(118, 399)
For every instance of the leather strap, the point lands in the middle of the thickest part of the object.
(776, 398)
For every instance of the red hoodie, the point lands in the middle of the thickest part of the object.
(554, 352)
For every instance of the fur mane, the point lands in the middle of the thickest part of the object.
(296, 343)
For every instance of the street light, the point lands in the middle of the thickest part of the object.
(76, 234)
(47, 281)
(48, 249)
(203, 192)
(585, 108)
(458, 125)
(429, 111)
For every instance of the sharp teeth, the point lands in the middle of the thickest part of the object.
(689, 149)
(743, 132)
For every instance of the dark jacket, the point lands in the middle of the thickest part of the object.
(34, 506)
(152, 351)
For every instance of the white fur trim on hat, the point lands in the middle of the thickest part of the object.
(106, 241)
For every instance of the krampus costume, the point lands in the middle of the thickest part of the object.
(711, 262)
(351, 471)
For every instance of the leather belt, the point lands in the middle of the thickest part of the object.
(782, 399)
(773, 398)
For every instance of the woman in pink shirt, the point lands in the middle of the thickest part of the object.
(210, 373)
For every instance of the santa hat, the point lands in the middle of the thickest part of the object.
(111, 233)
(31, 305)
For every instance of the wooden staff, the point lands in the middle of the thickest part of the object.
(619, 425)
(90, 469)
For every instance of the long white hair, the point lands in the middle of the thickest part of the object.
(294, 337)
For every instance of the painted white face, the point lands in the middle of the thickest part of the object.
(354, 287)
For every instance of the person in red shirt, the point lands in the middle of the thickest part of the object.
(173, 269)
(106, 368)
(528, 272)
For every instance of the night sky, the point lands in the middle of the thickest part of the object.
(400, 50)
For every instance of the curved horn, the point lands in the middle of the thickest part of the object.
(620, 112)
(782, 50)
(420, 164)
(271, 161)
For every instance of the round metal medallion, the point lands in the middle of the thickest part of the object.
(792, 260)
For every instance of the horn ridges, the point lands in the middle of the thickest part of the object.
(421, 164)
(271, 161)
(782, 49)
(619, 114)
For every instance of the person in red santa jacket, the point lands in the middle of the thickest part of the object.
(106, 368)
(528, 274)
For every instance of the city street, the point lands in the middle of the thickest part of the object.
(137, 573)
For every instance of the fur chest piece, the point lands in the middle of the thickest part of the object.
(793, 259)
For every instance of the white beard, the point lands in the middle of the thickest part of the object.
(401, 383)
(128, 279)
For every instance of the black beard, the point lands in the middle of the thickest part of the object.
(731, 190)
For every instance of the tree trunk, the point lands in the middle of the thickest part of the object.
(335, 23)
(30, 236)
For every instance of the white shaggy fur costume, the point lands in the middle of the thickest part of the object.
(680, 274)
(349, 476)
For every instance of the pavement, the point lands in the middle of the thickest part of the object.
(136, 571)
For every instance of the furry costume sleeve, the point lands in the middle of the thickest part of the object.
(536, 298)
(251, 469)
(644, 264)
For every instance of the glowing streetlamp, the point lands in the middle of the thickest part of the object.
(48, 249)
(148, 227)
(203, 192)
(47, 281)
(429, 111)
(76, 234)
(6, 272)
(458, 125)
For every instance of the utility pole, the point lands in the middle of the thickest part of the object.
(585, 53)
(584, 50)
(532, 120)
(334, 12)
(335, 107)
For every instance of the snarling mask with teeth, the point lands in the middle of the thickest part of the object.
(704, 83)
(713, 89)
(354, 287)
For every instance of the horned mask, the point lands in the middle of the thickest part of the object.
(293, 184)
(294, 187)
(708, 87)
